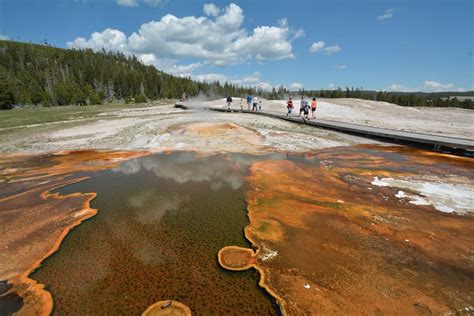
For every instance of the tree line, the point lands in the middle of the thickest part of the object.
(32, 74)
(435, 99)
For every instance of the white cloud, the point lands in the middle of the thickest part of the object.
(127, 3)
(219, 40)
(154, 3)
(211, 77)
(231, 19)
(388, 14)
(321, 46)
(148, 59)
(298, 33)
(4, 37)
(134, 3)
(109, 39)
(169, 65)
(398, 87)
(317, 46)
(331, 49)
(332, 86)
(265, 86)
(436, 86)
(283, 22)
(296, 86)
(184, 70)
(341, 66)
(210, 9)
(428, 86)
(254, 80)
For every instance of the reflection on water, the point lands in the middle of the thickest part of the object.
(162, 219)
(9, 302)
(185, 167)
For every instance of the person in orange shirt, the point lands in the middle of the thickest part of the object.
(313, 107)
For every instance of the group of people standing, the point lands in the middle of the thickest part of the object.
(256, 105)
(304, 107)
(251, 101)
(254, 102)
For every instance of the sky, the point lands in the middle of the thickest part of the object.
(404, 45)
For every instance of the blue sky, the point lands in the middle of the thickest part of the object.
(391, 45)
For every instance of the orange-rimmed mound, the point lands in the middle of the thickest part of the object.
(167, 308)
(236, 258)
(34, 221)
(330, 242)
(226, 136)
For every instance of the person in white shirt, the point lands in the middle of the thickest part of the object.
(255, 104)
(302, 104)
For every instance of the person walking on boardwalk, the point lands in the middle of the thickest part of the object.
(255, 104)
(302, 103)
(306, 110)
(229, 102)
(313, 108)
(289, 106)
(249, 101)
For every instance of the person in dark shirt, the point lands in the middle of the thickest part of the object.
(229, 102)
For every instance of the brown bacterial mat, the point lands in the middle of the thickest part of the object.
(161, 222)
(329, 236)
(330, 242)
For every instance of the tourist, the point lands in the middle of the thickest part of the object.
(229, 102)
(241, 105)
(259, 105)
(306, 110)
(249, 101)
(289, 106)
(313, 108)
(255, 104)
(302, 103)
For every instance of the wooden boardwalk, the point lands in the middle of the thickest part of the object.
(397, 136)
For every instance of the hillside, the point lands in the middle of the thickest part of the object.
(49, 76)
(32, 74)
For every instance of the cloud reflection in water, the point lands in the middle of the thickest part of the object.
(181, 167)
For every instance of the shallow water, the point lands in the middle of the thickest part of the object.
(9, 302)
(162, 220)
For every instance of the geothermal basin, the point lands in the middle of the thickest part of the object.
(216, 213)
(308, 233)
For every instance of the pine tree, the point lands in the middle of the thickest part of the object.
(6, 97)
